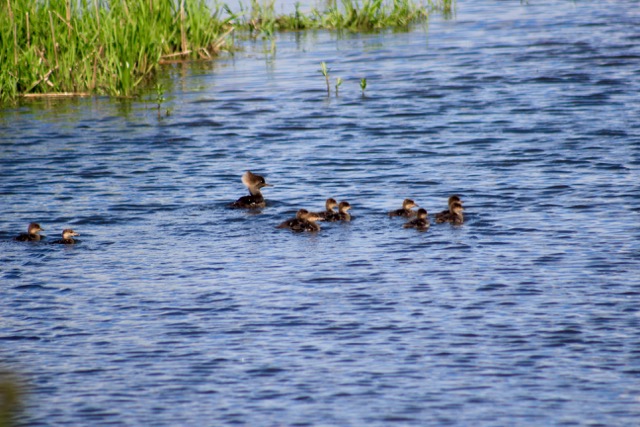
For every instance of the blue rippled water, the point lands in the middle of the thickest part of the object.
(175, 310)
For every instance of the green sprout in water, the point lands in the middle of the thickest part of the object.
(338, 83)
(159, 95)
(363, 85)
(271, 49)
(325, 72)
(160, 100)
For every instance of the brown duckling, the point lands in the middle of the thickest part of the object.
(67, 237)
(406, 211)
(421, 222)
(255, 199)
(304, 221)
(309, 222)
(343, 207)
(329, 213)
(294, 223)
(445, 214)
(455, 215)
(32, 234)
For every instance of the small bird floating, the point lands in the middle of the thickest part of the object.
(343, 215)
(441, 216)
(254, 200)
(421, 222)
(454, 216)
(32, 234)
(304, 221)
(67, 237)
(328, 214)
(405, 211)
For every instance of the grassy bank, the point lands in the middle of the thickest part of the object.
(113, 47)
(349, 15)
(87, 47)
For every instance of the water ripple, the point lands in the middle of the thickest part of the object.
(175, 310)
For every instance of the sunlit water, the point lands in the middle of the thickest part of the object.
(174, 310)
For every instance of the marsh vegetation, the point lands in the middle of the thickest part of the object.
(69, 48)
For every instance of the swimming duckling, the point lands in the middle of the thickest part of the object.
(328, 214)
(421, 222)
(445, 214)
(255, 200)
(304, 221)
(406, 211)
(309, 222)
(343, 207)
(32, 234)
(455, 215)
(67, 237)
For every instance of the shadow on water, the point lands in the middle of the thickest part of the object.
(11, 398)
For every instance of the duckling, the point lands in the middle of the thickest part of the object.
(421, 222)
(329, 213)
(294, 223)
(67, 237)
(455, 215)
(445, 214)
(32, 234)
(304, 221)
(255, 200)
(406, 211)
(343, 207)
(309, 222)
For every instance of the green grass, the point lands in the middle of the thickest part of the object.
(113, 47)
(91, 46)
(348, 15)
(369, 15)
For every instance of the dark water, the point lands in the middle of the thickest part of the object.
(174, 310)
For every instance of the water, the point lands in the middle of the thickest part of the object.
(174, 310)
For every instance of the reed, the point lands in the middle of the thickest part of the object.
(368, 15)
(159, 96)
(103, 47)
(325, 72)
(338, 84)
(349, 15)
(113, 47)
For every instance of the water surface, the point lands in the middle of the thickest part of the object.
(175, 310)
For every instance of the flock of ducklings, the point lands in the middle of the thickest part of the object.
(304, 220)
(307, 221)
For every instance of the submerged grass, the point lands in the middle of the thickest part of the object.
(113, 47)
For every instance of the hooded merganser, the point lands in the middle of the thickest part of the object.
(421, 222)
(328, 214)
(67, 237)
(406, 211)
(343, 207)
(445, 214)
(32, 234)
(455, 215)
(255, 200)
(304, 221)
